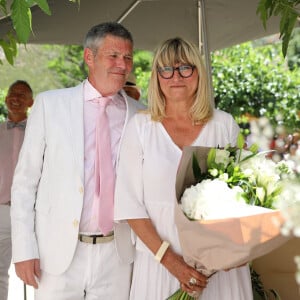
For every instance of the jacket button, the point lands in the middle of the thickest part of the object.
(75, 223)
(81, 190)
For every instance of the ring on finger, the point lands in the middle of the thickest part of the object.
(192, 281)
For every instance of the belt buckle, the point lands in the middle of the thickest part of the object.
(95, 238)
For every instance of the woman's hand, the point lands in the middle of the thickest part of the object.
(190, 279)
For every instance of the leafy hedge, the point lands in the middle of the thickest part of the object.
(257, 81)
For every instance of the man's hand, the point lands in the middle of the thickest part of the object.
(29, 271)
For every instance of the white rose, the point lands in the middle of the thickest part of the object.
(260, 193)
(224, 177)
(213, 172)
(222, 157)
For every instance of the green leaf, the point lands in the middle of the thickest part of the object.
(76, 1)
(9, 48)
(262, 11)
(196, 168)
(288, 12)
(21, 17)
(240, 141)
(43, 4)
(275, 294)
(7, 52)
(287, 32)
(176, 295)
(180, 295)
(254, 148)
(3, 7)
(211, 157)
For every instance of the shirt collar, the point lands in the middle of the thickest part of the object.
(11, 124)
(90, 93)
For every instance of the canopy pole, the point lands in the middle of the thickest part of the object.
(128, 11)
(204, 47)
(200, 44)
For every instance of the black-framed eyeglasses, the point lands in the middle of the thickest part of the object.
(184, 71)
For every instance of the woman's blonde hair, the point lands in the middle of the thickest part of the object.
(169, 53)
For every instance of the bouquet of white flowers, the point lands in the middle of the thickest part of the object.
(225, 212)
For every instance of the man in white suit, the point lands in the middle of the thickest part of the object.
(58, 248)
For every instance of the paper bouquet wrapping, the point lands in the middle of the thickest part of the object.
(223, 243)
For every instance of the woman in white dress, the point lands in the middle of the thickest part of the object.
(180, 114)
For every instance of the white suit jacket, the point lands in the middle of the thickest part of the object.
(48, 184)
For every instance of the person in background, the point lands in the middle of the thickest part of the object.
(180, 114)
(19, 98)
(131, 89)
(64, 241)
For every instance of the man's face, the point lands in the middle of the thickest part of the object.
(111, 65)
(18, 100)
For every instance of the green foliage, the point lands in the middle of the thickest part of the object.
(9, 46)
(31, 65)
(3, 110)
(256, 82)
(180, 295)
(142, 61)
(21, 19)
(259, 292)
(196, 168)
(293, 54)
(287, 10)
(3, 8)
(43, 4)
(69, 65)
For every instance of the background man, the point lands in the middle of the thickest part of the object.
(131, 88)
(18, 100)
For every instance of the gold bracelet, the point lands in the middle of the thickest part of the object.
(161, 251)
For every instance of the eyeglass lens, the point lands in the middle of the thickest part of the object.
(184, 71)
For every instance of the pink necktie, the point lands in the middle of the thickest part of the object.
(104, 174)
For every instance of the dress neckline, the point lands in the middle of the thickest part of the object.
(165, 132)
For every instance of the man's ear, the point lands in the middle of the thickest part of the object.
(30, 102)
(88, 56)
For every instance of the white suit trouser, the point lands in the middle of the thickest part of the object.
(94, 274)
(5, 249)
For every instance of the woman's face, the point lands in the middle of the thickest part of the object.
(178, 87)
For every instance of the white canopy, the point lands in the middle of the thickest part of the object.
(227, 22)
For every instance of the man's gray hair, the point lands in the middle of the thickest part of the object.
(100, 31)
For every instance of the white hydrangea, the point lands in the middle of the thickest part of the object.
(200, 201)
